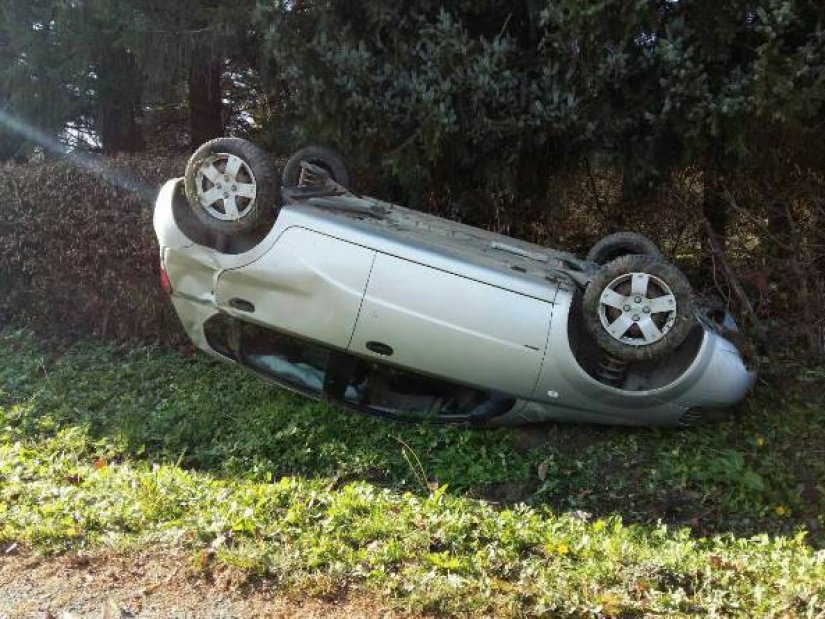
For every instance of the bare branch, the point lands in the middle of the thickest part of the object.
(718, 254)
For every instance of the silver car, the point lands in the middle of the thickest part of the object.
(399, 313)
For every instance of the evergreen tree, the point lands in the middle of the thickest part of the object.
(497, 95)
(93, 64)
(692, 82)
(41, 81)
(185, 47)
(462, 96)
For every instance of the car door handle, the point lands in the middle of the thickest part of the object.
(242, 304)
(379, 348)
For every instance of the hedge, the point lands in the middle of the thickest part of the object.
(78, 254)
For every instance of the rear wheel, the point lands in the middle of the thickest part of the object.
(231, 186)
(331, 162)
(638, 308)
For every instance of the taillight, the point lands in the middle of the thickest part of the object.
(165, 282)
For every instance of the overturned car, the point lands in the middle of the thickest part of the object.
(399, 313)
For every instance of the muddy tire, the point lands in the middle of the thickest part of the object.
(638, 308)
(321, 156)
(622, 244)
(232, 186)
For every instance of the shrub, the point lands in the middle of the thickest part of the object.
(78, 254)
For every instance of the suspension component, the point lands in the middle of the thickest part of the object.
(611, 370)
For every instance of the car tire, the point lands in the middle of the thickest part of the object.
(638, 308)
(622, 244)
(232, 186)
(321, 156)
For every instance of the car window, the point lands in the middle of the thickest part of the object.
(317, 369)
(287, 359)
(388, 389)
(293, 361)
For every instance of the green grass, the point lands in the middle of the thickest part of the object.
(106, 446)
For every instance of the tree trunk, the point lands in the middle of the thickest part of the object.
(714, 206)
(818, 260)
(205, 101)
(118, 101)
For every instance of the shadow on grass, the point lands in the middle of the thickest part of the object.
(760, 472)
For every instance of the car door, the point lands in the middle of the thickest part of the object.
(308, 284)
(450, 326)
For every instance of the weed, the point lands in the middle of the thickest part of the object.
(103, 445)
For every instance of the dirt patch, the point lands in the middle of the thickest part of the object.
(158, 584)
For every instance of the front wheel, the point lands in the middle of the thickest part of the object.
(638, 308)
(622, 244)
(231, 186)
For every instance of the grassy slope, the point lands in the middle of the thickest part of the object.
(115, 446)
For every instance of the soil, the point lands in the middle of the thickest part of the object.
(159, 584)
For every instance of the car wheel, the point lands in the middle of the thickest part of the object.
(231, 186)
(638, 308)
(326, 158)
(622, 244)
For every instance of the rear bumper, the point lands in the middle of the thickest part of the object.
(163, 219)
